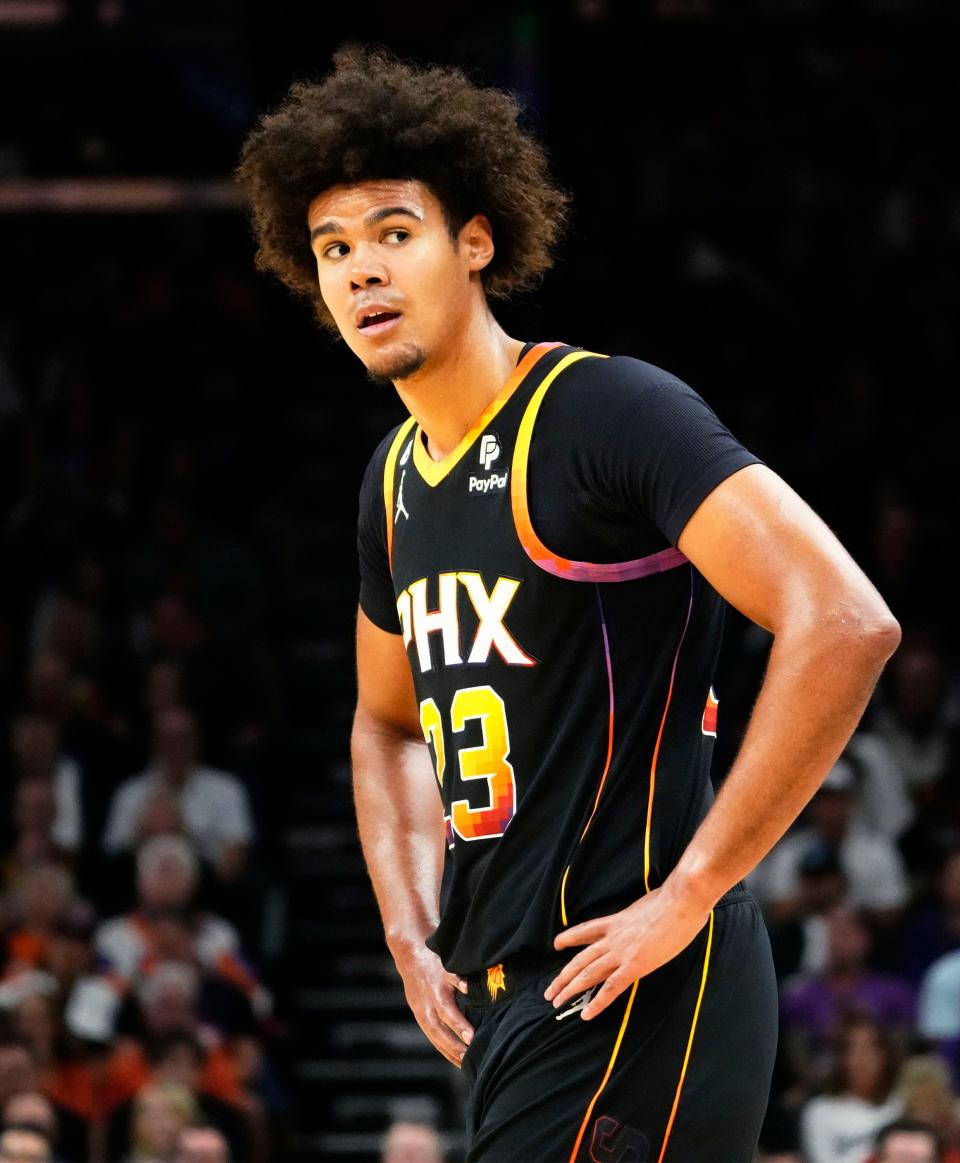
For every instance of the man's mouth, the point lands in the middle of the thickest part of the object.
(376, 321)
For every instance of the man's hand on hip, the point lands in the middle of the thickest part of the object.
(624, 946)
(430, 989)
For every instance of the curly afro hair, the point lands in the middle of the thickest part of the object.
(376, 117)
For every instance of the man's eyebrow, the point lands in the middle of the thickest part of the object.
(389, 211)
(331, 227)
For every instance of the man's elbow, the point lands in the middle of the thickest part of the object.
(870, 630)
(882, 634)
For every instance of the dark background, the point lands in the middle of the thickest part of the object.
(766, 203)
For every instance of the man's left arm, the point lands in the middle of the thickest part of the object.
(769, 555)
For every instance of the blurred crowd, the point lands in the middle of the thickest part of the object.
(138, 717)
(862, 899)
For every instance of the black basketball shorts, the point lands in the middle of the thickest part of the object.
(676, 1070)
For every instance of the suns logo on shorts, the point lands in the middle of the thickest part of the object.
(496, 981)
(708, 724)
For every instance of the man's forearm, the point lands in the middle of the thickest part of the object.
(817, 685)
(400, 820)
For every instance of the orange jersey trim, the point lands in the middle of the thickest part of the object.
(434, 471)
(539, 554)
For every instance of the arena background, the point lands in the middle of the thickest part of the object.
(767, 203)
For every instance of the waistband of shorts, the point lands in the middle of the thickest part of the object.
(505, 979)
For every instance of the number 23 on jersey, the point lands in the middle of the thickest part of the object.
(488, 761)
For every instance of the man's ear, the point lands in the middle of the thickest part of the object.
(476, 242)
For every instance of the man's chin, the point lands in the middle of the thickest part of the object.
(389, 367)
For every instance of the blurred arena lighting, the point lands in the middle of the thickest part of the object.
(115, 195)
(44, 13)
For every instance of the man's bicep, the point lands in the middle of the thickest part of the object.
(769, 555)
(385, 691)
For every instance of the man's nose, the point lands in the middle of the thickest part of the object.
(367, 269)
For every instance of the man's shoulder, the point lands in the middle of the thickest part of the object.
(621, 377)
(597, 400)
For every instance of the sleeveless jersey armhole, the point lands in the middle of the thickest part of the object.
(389, 476)
(539, 554)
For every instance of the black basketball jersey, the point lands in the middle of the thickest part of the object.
(567, 705)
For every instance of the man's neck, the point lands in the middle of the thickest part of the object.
(448, 394)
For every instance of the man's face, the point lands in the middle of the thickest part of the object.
(202, 1145)
(397, 285)
(24, 1147)
(175, 742)
(908, 1147)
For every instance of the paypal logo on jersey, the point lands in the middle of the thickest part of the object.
(489, 449)
(487, 484)
(489, 452)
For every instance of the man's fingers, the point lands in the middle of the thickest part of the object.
(571, 969)
(583, 934)
(452, 1049)
(591, 974)
(612, 988)
(444, 1039)
(448, 1013)
(457, 982)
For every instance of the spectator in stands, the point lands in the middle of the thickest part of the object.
(49, 689)
(203, 1145)
(33, 816)
(212, 804)
(799, 943)
(37, 756)
(42, 901)
(161, 1112)
(915, 720)
(883, 803)
(870, 862)
(173, 998)
(180, 1059)
(31, 1109)
(167, 875)
(163, 687)
(926, 1090)
(812, 1010)
(840, 1126)
(908, 1141)
(20, 1076)
(938, 1010)
(24, 1145)
(18, 1068)
(933, 929)
(68, 617)
(919, 721)
(412, 1143)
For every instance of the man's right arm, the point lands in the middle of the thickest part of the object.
(400, 820)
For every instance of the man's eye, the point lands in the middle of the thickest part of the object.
(335, 250)
(397, 235)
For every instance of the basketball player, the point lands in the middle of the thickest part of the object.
(545, 548)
